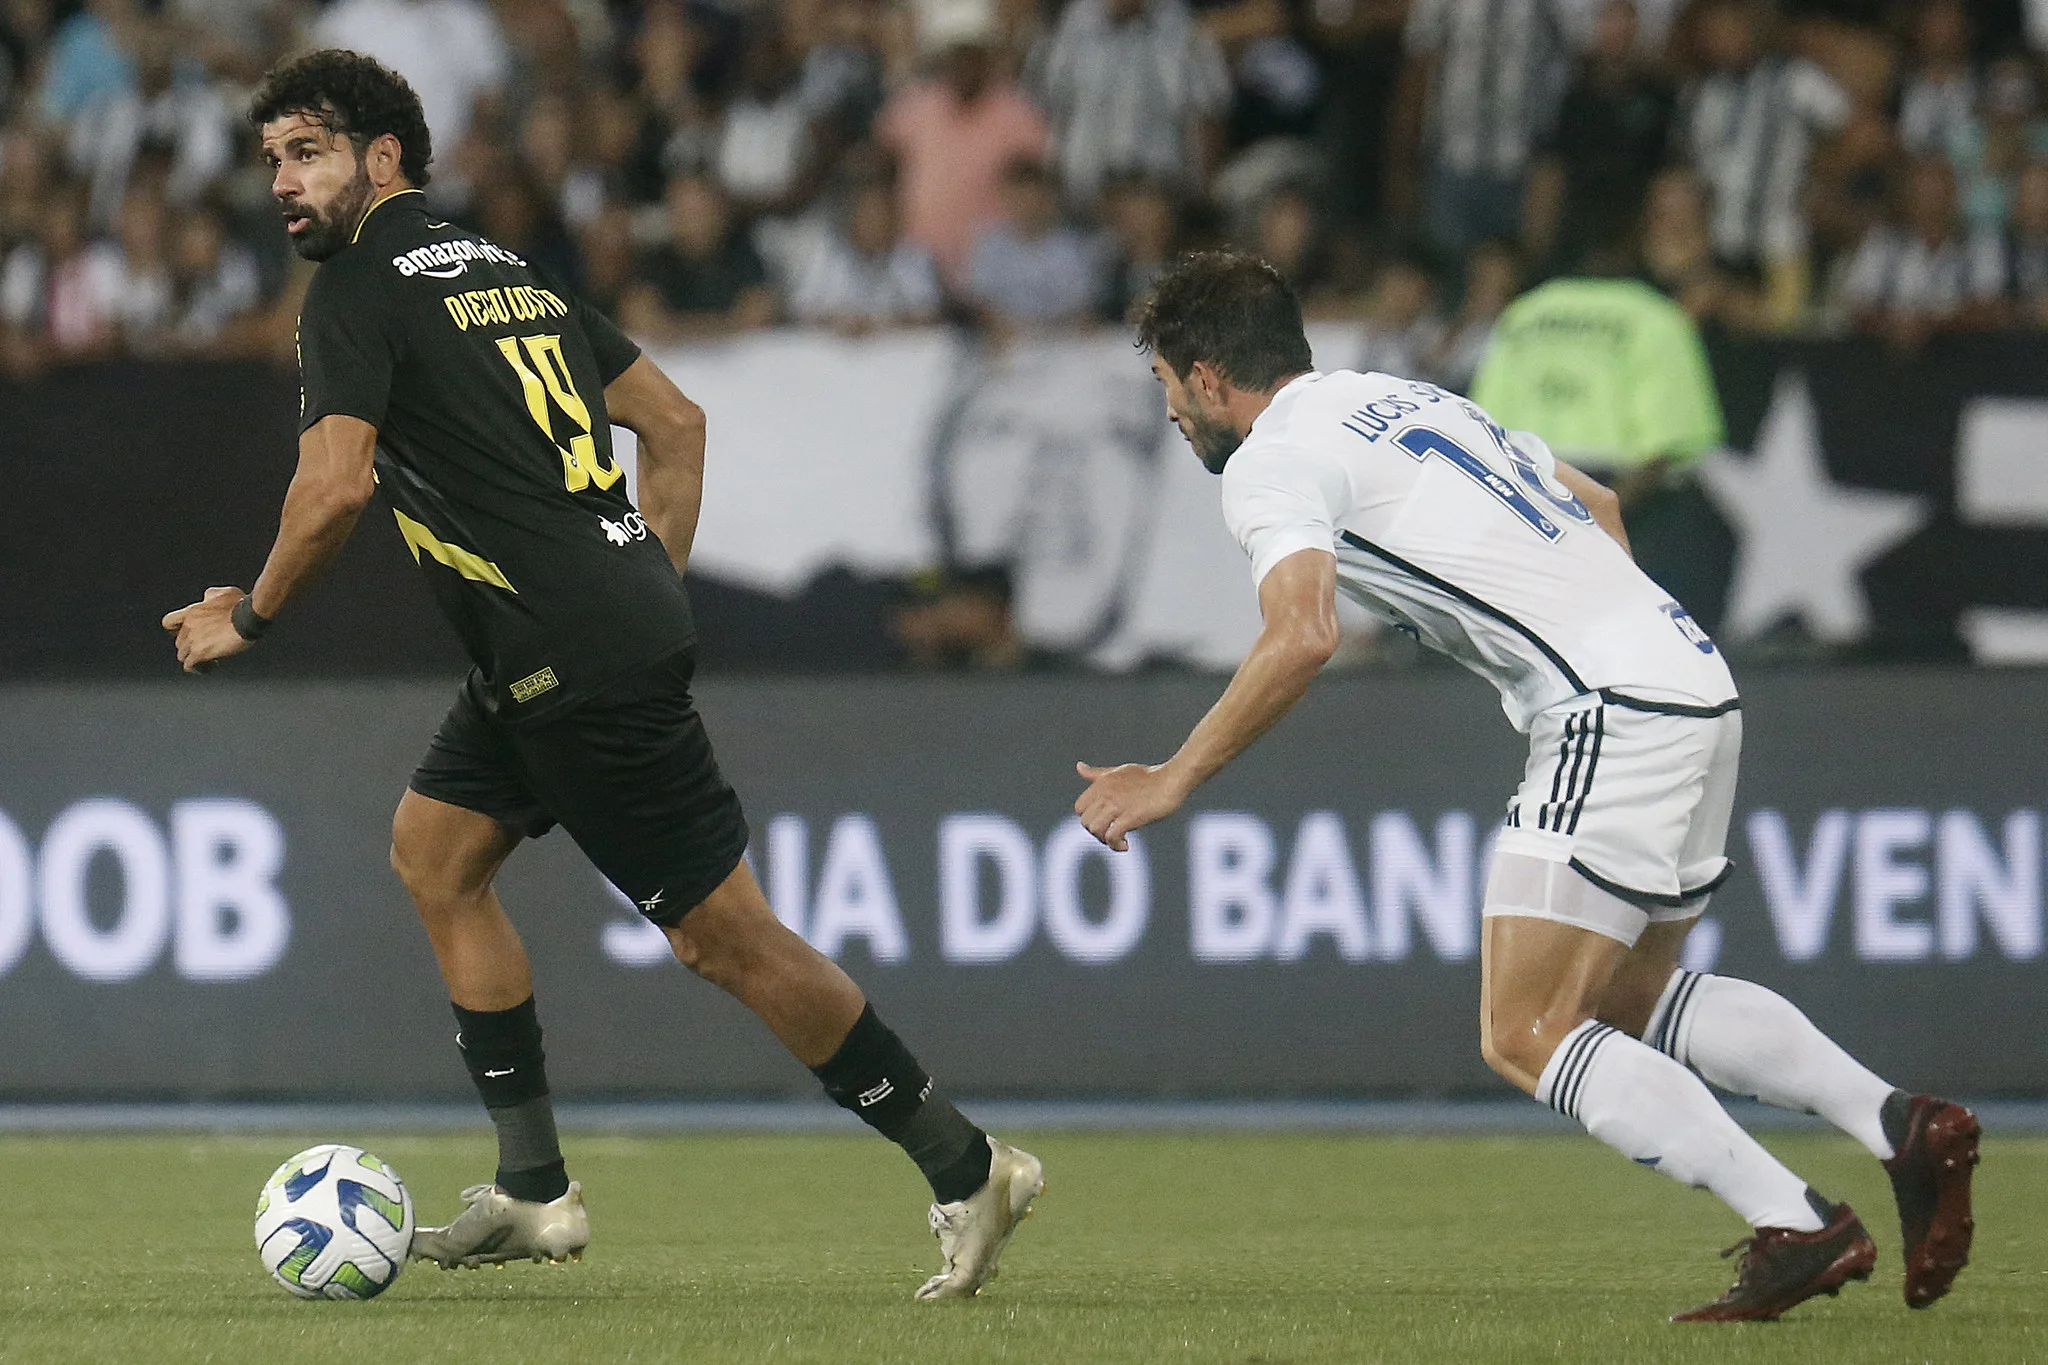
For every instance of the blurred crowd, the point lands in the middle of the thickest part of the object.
(702, 167)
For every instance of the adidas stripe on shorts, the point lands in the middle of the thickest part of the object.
(1634, 796)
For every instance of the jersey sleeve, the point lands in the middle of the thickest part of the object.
(615, 351)
(349, 345)
(1280, 501)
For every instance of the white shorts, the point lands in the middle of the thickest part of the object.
(1634, 800)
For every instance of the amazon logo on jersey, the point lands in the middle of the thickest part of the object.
(446, 260)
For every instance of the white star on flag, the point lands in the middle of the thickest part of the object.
(1804, 540)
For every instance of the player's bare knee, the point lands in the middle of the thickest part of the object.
(706, 952)
(685, 945)
(441, 872)
(1518, 1046)
(409, 858)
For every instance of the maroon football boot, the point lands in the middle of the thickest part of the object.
(1931, 1180)
(1781, 1268)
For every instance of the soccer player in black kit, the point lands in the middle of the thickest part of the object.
(480, 397)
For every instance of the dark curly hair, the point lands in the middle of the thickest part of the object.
(1230, 309)
(353, 96)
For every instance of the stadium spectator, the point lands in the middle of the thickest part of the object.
(661, 123)
(1479, 95)
(91, 57)
(1030, 267)
(179, 116)
(626, 139)
(2005, 133)
(1938, 96)
(16, 52)
(1358, 47)
(512, 211)
(137, 267)
(1751, 127)
(842, 72)
(215, 287)
(1612, 134)
(1277, 81)
(452, 51)
(2009, 265)
(774, 151)
(1911, 276)
(705, 280)
(1288, 232)
(58, 296)
(951, 133)
(543, 50)
(1677, 250)
(606, 255)
(25, 166)
(861, 274)
(1401, 325)
(1133, 87)
(1493, 276)
(1849, 185)
(558, 161)
(1144, 230)
(234, 38)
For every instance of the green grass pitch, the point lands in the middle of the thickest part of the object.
(1146, 1247)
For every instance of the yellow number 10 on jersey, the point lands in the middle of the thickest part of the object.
(548, 374)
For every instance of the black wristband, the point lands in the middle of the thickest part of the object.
(247, 623)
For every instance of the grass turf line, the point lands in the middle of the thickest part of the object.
(1146, 1247)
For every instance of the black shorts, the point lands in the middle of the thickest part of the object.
(629, 773)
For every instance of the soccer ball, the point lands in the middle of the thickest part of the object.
(334, 1222)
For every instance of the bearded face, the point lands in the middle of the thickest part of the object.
(1214, 441)
(322, 185)
(1213, 438)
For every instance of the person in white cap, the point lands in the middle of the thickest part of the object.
(952, 133)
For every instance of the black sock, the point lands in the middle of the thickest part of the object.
(501, 1049)
(875, 1076)
(1893, 1116)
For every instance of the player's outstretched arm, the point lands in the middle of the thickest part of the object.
(333, 482)
(1299, 602)
(671, 430)
(1600, 500)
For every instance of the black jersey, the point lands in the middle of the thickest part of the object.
(486, 387)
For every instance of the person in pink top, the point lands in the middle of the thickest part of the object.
(952, 132)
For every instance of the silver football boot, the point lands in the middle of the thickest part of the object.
(497, 1228)
(972, 1232)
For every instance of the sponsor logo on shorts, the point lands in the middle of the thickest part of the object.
(877, 1094)
(532, 685)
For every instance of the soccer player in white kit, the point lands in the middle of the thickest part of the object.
(1413, 502)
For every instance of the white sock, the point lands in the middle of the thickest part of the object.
(1753, 1041)
(1655, 1112)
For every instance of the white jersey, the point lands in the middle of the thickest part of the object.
(1447, 526)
